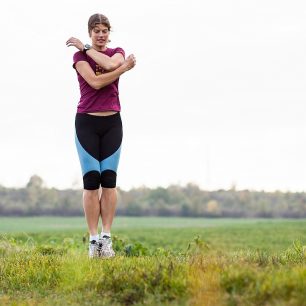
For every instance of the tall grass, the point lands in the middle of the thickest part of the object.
(60, 273)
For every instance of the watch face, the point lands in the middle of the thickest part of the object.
(87, 46)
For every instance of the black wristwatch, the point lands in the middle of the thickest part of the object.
(86, 48)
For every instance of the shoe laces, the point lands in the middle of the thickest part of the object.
(106, 243)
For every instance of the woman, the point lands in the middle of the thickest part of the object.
(98, 127)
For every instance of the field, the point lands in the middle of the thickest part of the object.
(160, 261)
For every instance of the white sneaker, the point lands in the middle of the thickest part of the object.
(93, 249)
(105, 247)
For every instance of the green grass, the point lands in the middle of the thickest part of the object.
(38, 224)
(172, 233)
(160, 261)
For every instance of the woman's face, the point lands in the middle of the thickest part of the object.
(99, 35)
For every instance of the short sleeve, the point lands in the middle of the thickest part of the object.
(119, 50)
(77, 57)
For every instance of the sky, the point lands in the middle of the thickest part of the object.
(217, 97)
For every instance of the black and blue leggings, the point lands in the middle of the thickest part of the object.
(98, 141)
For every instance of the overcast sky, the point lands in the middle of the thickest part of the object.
(217, 98)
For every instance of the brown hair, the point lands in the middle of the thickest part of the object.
(98, 19)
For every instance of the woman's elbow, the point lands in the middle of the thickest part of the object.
(95, 85)
(114, 65)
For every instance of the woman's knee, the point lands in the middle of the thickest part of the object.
(91, 194)
(91, 180)
(108, 179)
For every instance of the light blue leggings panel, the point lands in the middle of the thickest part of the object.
(88, 163)
(111, 162)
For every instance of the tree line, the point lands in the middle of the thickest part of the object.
(188, 201)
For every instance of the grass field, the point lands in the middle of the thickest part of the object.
(160, 261)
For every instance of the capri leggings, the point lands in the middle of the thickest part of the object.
(98, 141)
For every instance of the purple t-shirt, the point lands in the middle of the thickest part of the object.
(97, 100)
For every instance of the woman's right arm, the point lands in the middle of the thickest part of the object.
(104, 79)
(109, 63)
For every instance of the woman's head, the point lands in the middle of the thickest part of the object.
(99, 28)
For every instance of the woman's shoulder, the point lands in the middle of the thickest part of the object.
(79, 56)
(117, 50)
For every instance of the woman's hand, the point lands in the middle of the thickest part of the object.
(72, 41)
(129, 63)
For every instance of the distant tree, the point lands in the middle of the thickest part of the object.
(35, 182)
(213, 208)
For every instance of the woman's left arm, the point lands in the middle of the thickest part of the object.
(103, 60)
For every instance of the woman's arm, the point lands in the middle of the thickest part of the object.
(104, 79)
(108, 63)
(103, 60)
